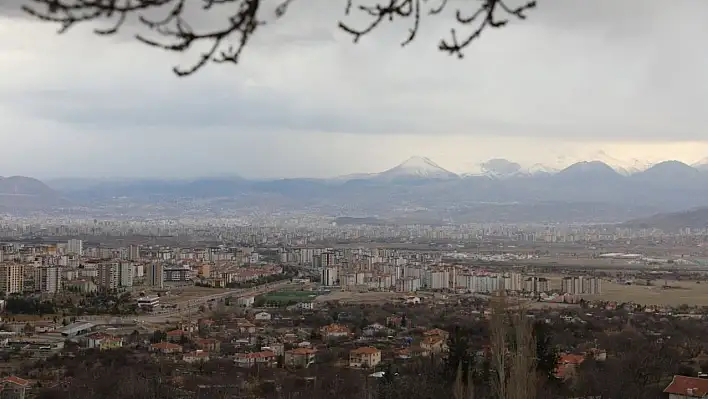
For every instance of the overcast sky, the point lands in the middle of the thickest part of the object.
(627, 77)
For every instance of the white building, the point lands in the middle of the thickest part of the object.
(75, 247)
(330, 276)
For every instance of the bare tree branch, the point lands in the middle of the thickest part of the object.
(484, 15)
(225, 44)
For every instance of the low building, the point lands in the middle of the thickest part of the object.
(196, 356)
(165, 348)
(148, 302)
(245, 301)
(262, 316)
(13, 388)
(334, 331)
(263, 359)
(300, 357)
(364, 357)
(78, 328)
(683, 387)
(103, 342)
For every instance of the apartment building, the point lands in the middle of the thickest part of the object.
(154, 275)
(48, 279)
(11, 278)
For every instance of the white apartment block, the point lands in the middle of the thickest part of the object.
(75, 247)
(330, 276)
(580, 285)
(11, 278)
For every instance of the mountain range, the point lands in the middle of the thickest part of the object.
(416, 190)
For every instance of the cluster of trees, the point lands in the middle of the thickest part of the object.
(90, 304)
(25, 305)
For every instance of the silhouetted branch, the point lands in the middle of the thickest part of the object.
(226, 43)
(177, 35)
(483, 15)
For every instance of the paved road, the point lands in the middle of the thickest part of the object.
(191, 305)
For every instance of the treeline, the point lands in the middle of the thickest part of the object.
(34, 306)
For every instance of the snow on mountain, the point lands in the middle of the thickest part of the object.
(540, 169)
(622, 167)
(417, 167)
(701, 164)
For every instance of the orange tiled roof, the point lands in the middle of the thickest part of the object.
(365, 350)
(302, 351)
(15, 380)
(682, 385)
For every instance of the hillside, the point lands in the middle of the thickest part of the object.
(19, 192)
(695, 218)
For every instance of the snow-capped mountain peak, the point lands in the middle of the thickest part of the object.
(418, 167)
(701, 164)
(622, 167)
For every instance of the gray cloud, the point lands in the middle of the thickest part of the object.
(576, 71)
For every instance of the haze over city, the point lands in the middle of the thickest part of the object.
(577, 78)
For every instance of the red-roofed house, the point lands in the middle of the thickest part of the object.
(165, 348)
(13, 388)
(683, 387)
(566, 365)
(300, 357)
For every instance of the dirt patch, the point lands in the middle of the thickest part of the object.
(359, 297)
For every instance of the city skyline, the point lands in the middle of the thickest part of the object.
(572, 79)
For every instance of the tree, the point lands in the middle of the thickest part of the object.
(513, 350)
(172, 21)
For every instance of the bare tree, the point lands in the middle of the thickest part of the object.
(171, 22)
(513, 350)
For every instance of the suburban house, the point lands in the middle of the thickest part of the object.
(165, 348)
(333, 331)
(567, 363)
(433, 344)
(300, 357)
(264, 358)
(196, 356)
(364, 357)
(103, 341)
(682, 387)
(262, 316)
(209, 344)
(13, 388)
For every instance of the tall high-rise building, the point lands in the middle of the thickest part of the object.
(48, 279)
(75, 247)
(114, 275)
(154, 275)
(329, 276)
(11, 278)
(134, 252)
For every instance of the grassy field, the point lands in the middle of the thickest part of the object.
(680, 293)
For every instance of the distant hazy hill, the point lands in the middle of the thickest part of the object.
(694, 218)
(27, 193)
(421, 190)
